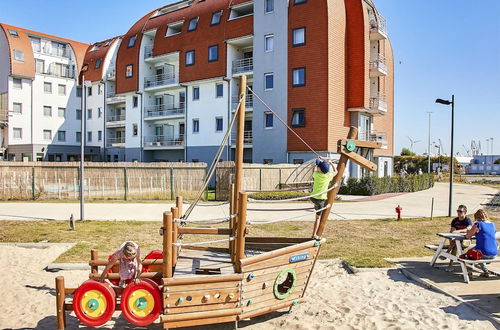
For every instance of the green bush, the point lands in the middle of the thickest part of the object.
(372, 185)
(276, 195)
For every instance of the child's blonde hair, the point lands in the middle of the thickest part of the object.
(481, 215)
(129, 249)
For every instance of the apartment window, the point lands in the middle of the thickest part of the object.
(196, 93)
(61, 89)
(97, 64)
(135, 129)
(218, 124)
(131, 41)
(190, 57)
(269, 42)
(78, 91)
(14, 33)
(269, 6)
(268, 120)
(99, 112)
(17, 107)
(89, 113)
(89, 91)
(216, 16)
(219, 90)
(78, 137)
(61, 112)
(269, 81)
(89, 136)
(129, 71)
(196, 125)
(18, 83)
(241, 11)
(47, 111)
(298, 2)
(18, 55)
(174, 28)
(47, 134)
(298, 117)
(99, 89)
(298, 77)
(99, 135)
(193, 24)
(18, 133)
(39, 66)
(61, 136)
(47, 87)
(135, 101)
(78, 114)
(213, 53)
(299, 36)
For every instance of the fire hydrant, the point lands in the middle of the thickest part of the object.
(399, 209)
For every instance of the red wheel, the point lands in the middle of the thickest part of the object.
(141, 303)
(155, 254)
(113, 269)
(94, 303)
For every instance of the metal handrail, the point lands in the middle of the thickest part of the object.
(148, 52)
(243, 65)
(111, 141)
(379, 63)
(379, 23)
(115, 118)
(247, 137)
(161, 79)
(248, 100)
(111, 74)
(378, 101)
(164, 110)
(54, 51)
(163, 140)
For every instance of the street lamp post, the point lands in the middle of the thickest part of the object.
(82, 145)
(429, 146)
(452, 102)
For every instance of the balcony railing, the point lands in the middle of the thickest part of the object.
(159, 141)
(148, 52)
(60, 52)
(378, 102)
(4, 115)
(161, 79)
(164, 110)
(111, 75)
(115, 118)
(64, 72)
(378, 66)
(115, 142)
(378, 26)
(111, 97)
(247, 137)
(373, 136)
(243, 65)
(248, 101)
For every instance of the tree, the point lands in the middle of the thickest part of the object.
(497, 161)
(407, 152)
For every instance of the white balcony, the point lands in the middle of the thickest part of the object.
(115, 121)
(173, 111)
(247, 138)
(161, 81)
(53, 51)
(378, 66)
(162, 142)
(115, 142)
(378, 27)
(374, 136)
(111, 75)
(243, 66)
(112, 98)
(60, 71)
(378, 104)
(248, 102)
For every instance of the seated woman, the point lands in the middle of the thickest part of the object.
(485, 237)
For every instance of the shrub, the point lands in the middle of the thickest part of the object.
(276, 195)
(372, 185)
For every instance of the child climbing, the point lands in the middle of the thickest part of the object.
(130, 267)
(322, 175)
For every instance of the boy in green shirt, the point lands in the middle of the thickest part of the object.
(322, 175)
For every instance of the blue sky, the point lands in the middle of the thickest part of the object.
(440, 47)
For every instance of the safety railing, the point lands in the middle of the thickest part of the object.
(243, 65)
(164, 141)
(163, 110)
(161, 80)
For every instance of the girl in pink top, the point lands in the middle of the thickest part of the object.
(130, 267)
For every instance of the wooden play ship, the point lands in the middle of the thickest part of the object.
(190, 284)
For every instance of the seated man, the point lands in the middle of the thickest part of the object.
(459, 225)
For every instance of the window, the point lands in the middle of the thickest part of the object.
(298, 77)
(131, 41)
(61, 136)
(97, 64)
(135, 129)
(216, 16)
(190, 58)
(47, 111)
(89, 136)
(174, 28)
(196, 125)
(17, 107)
(99, 89)
(218, 124)
(47, 134)
(213, 53)
(89, 91)
(196, 93)
(268, 120)
(299, 36)
(269, 6)
(135, 101)
(99, 112)
(47, 87)
(78, 91)
(219, 90)
(298, 2)
(14, 33)
(39, 66)
(268, 42)
(89, 113)
(268, 81)
(18, 55)
(241, 11)
(129, 71)
(18, 83)
(85, 67)
(298, 118)
(18, 133)
(78, 137)
(61, 112)
(99, 135)
(78, 114)
(193, 24)
(61, 89)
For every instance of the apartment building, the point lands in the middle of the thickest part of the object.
(40, 96)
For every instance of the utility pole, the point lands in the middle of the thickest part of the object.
(429, 145)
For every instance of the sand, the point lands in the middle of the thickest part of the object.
(335, 299)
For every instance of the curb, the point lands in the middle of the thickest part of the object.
(41, 245)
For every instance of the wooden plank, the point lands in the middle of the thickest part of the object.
(267, 246)
(358, 159)
(69, 290)
(363, 144)
(116, 276)
(189, 323)
(301, 272)
(268, 301)
(202, 286)
(206, 248)
(201, 308)
(269, 309)
(276, 253)
(205, 231)
(145, 262)
(199, 315)
(272, 270)
(257, 289)
(240, 236)
(271, 239)
(202, 279)
(269, 295)
(198, 297)
(281, 260)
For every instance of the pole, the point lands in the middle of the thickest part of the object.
(451, 155)
(239, 142)
(60, 297)
(167, 244)
(82, 148)
(240, 236)
(429, 146)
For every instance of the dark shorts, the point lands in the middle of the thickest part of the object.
(318, 204)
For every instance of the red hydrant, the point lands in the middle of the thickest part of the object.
(399, 209)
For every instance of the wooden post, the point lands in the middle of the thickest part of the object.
(239, 142)
(175, 231)
(171, 183)
(240, 238)
(332, 194)
(178, 204)
(60, 297)
(167, 244)
(232, 223)
(93, 257)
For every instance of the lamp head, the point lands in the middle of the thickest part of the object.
(441, 101)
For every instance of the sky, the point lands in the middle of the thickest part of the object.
(440, 48)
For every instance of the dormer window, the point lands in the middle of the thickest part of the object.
(85, 67)
(107, 43)
(97, 63)
(18, 55)
(174, 28)
(96, 47)
(242, 10)
(14, 33)
(193, 24)
(216, 16)
(131, 41)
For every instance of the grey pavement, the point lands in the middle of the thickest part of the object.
(417, 204)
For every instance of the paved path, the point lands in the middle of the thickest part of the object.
(416, 204)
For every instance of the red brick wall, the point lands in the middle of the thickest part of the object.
(93, 74)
